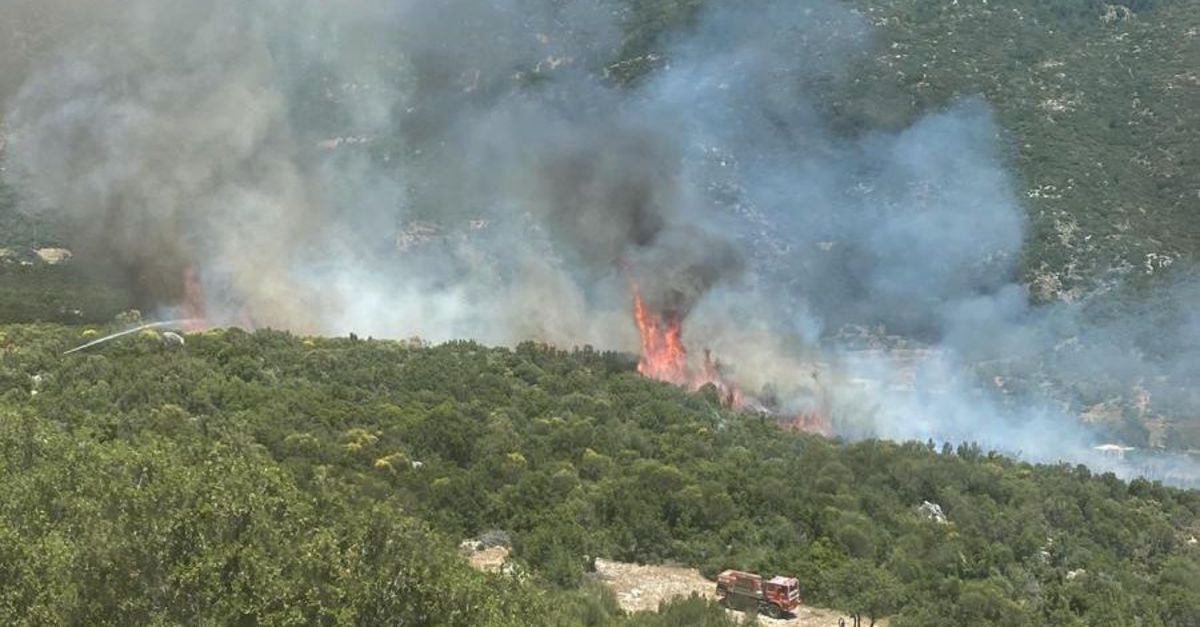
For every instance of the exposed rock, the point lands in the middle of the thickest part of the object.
(933, 512)
(1113, 450)
(470, 546)
(54, 256)
(1117, 13)
(482, 557)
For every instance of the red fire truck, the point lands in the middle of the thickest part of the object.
(776, 597)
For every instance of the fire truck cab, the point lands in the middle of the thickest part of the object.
(775, 597)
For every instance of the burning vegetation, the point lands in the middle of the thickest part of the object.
(200, 314)
(664, 358)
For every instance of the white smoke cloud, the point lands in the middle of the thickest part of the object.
(465, 169)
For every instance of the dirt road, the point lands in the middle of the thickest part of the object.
(641, 588)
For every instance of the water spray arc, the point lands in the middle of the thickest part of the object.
(166, 324)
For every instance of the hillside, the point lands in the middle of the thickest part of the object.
(1095, 99)
(294, 479)
(1093, 102)
(449, 170)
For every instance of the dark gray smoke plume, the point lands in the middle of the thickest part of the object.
(473, 168)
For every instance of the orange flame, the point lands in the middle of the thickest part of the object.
(663, 356)
(813, 421)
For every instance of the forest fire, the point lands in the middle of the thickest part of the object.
(201, 317)
(813, 421)
(664, 358)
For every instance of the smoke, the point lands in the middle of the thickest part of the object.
(472, 168)
(159, 141)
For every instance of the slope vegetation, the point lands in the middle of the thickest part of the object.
(327, 480)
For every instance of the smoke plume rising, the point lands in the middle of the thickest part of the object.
(472, 168)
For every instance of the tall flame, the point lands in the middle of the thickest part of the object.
(663, 356)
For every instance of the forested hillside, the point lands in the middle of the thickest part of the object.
(270, 478)
(1096, 100)
(326, 480)
(32, 291)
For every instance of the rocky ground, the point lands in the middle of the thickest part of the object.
(640, 588)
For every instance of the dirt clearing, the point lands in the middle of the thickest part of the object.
(641, 588)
